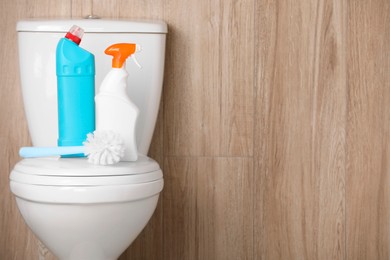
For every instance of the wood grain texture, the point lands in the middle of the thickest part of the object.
(368, 180)
(300, 130)
(179, 209)
(106, 8)
(273, 132)
(208, 208)
(210, 77)
(141, 9)
(82, 8)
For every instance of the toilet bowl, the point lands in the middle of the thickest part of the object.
(84, 211)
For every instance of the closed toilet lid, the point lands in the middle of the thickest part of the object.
(78, 172)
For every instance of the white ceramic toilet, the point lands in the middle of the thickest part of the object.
(77, 209)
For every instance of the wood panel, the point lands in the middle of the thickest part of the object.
(209, 78)
(142, 9)
(208, 208)
(179, 209)
(368, 180)
(273, 133)
(106, 8)
(300, 130)
(82, 8)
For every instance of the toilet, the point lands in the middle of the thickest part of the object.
(79, 210)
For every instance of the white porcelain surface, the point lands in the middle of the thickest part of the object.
(92, 216)
(81, 167)
(85, 181)
(37, 47)
(86, 194)
(93, 25)
(87, 231)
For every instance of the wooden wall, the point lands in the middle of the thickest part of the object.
(273, 133)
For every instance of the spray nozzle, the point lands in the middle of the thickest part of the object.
(75, 34)
(138, 48)
(121, 51)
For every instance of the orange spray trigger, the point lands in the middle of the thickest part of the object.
(120, 52)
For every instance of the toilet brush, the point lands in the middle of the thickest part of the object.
(101, 147)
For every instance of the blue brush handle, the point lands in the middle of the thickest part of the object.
(30, 152)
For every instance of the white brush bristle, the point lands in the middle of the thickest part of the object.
(104, 147)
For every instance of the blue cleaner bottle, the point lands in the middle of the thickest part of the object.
(75, 69)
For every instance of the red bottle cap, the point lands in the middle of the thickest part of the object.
(75, 34)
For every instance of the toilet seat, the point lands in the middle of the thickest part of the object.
(78, 172)
(75, 181)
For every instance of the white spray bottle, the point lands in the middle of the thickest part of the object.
(114, 109)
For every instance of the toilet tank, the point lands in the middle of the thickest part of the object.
(37, 41)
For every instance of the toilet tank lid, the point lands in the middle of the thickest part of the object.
(93, 26)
